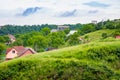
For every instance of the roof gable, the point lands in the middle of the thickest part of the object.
(31, 50)
(17, 48)
(8, 50)
(11, 36)
(20, 50)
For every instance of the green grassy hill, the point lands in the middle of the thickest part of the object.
(91, 61)
(97, 35)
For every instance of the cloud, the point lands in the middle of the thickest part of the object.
(68, 13)
(93, 11)
(96, 4)
(31, 10)
(57, 11)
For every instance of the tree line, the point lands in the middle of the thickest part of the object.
(15, 29)
(40, 38)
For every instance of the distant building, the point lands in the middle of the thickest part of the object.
(94, 22)
(60, 28)
(18, 51)
(71, 32)
(12, 38)
(54, 30)
(116, 20)
(118, 37)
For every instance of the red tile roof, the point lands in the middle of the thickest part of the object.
(118, 36)
(21, 53)
(17, 48)
(8, 50)
(11, 36)
(20, 50)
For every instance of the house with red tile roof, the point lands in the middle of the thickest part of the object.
(18, 51)
(118, 37)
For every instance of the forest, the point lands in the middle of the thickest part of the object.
(85, 28)
(40, 38)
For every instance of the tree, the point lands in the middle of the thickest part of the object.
(38, 43)
(67, 30)
(4, 39)
(80, 32)
(57, 39)
(45, 31)
(104, 35)
(86, 28)
(110, 25)
(99, 25)
(73, 39)
(2, 48)
(18, 42)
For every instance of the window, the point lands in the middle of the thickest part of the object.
(13, 51)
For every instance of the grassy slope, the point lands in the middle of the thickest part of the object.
(88, 61)
(97, 35)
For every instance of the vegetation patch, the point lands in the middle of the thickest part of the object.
(88, 61)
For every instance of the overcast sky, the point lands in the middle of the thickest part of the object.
(30, 12)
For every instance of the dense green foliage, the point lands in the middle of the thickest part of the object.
(2, 48)
(102, 34)
(15, 29)
(2, 51)
(41, 40)
(92, 59)
(85, 28)
(89, 61)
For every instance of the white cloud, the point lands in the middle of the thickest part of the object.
(52, 9)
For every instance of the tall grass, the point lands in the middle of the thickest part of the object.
(91, 61)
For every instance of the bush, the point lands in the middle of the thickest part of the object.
(93, 61)
(103, 52)
(104, 35)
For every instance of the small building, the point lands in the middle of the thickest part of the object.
(71, 32)
(53, 30)
(18, 51)
(117, 37)
(94, 21)
(60, 28)
(12, 38)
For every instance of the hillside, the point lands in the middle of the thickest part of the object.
(97, 35)
(98, 60)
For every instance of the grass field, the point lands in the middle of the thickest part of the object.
(90, 61)
(97, 35)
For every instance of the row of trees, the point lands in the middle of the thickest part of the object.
(15, 29)
(114, 24)
(44, 39)
(84, 28)
(40, 37)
